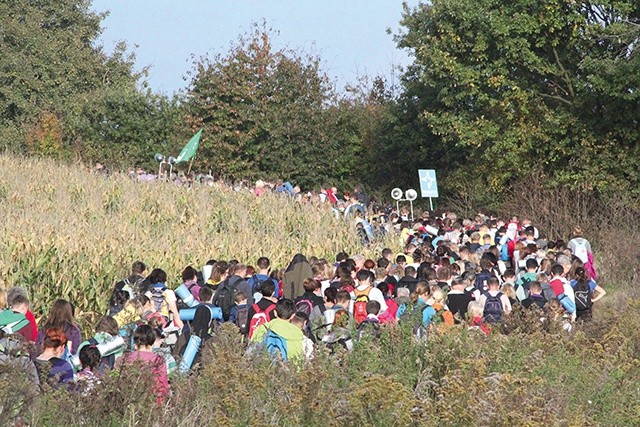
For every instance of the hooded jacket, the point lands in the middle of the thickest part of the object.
(298, 270)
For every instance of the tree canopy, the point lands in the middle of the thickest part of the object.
(531, 85)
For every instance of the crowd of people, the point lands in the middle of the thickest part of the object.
(471, 272)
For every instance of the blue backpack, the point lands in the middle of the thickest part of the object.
(275, 345)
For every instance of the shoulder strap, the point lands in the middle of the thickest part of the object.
(359, 293)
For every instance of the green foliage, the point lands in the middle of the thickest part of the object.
(528, 85)
(61, 95)
(268, 113)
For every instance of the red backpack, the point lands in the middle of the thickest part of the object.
(259, 318)
(360, 304)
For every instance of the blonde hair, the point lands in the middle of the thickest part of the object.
(577, 231)
(508, 290)
(438, 294)
(474, 309)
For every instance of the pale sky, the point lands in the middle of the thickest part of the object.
(349, 36)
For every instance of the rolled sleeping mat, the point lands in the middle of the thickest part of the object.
(112, 346)
(289, 188)
(189, 313)
(207, 270)
(431, 230)
(185, 295)
(190, 353)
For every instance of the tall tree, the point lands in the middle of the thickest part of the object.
(268, 113)
(62, 94)
(532, 84)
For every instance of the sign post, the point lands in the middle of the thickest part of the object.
(428, 184)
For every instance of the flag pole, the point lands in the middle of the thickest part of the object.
(190, 164)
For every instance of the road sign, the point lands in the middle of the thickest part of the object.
(428, 183)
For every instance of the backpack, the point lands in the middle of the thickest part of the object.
(256, 285)
(581, 251)
(224, 299)
(11, 322)
(259, 318)
(157, 296)
(129, 285)
(493, 308)
(360, 304)
(275, 345)
(583, 297)
(180, 302)
(242, 319)
(481, 280)
(368, 328)
(304, 306)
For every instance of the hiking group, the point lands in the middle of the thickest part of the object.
(473, 273)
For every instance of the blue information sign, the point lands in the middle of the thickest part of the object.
(428, 182)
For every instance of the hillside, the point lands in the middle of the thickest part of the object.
(70, 233)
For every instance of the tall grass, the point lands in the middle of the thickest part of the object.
(69, 233)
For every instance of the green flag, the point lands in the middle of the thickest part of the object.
(190, 149)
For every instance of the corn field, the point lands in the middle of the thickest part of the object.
(71, 234)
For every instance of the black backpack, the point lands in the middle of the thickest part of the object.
(242, 319)
(224, 299)
(583, 296)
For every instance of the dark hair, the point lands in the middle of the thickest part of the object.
(330, 294)
(384, 287)
(509, 272)
(285, 308)
(386, 251)
(557, 270)
(267, 288)
(410, 270)
(19, 299)
(383, 263)
(310, 284)
(535, 286)
(343, 296)
(373, 307)
(138, 267)
(263, 263)
(400, 259)
(531, 263)
(144, 335)
(363, 275)
(89, 357)
(118, 298)
(205, 293)
(107, 324)
(344, 270)
(60, 315)
(342, 256)
(486, 263)
(157, 275)
(582, 278)
(189, 273)
(239, 296)
(54, 338)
